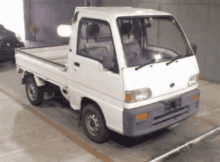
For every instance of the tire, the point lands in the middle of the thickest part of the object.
(93, 123)
(34, 93)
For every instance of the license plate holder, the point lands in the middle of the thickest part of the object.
(172, 104)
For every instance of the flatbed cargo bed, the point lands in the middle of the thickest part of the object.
(48, 63)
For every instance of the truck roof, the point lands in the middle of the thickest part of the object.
(120, 11)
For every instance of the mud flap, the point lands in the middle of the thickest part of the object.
(40, 82)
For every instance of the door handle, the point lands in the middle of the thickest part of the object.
(76, 64)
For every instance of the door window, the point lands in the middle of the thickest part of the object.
(95, 41)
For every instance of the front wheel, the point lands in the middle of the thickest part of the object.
(94, 123)
(34, 93)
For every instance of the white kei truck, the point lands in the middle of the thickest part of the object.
(128, 70)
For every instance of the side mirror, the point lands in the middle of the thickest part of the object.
(64, 30)
(194, 47)
(108, 62)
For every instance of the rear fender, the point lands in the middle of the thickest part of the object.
(40, 82)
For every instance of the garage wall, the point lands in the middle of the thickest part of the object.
(47, 15)
(200, 21)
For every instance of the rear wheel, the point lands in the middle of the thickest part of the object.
(94, 123)
(34, 93)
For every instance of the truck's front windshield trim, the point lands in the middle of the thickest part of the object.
(143, 23)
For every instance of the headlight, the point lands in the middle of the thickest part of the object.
(137, 95)
(193, 80)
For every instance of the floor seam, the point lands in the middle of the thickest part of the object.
(192, 142)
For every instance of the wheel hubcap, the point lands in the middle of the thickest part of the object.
(31, 91)
(92, 124)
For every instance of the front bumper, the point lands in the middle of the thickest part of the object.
(159, 115)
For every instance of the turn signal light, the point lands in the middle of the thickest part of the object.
(128, 97)
(141, 116)
(195, 97)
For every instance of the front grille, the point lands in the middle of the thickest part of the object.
(170, 115)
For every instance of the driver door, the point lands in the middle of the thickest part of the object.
(89, 77)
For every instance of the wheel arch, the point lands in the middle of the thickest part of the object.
(34, 93)
(40, 82)
(25, 75)
(85, 101)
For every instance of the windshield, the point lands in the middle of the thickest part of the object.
(151, 38)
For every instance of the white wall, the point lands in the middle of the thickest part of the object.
(12, 16)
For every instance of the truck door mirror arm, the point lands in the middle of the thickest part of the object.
(194, 47)
(75, 17)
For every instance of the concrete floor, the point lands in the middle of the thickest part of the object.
(24, 137)
(50, 133)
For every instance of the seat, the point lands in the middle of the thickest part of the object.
(132, 49)
(97, 52)
(92, 47)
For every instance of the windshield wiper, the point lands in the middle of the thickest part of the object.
(174, 59)
(152, 61)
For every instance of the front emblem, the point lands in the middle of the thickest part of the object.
(172, 85)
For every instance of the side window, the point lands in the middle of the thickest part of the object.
(95, 41)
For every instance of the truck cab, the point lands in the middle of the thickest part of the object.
(142, 68)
